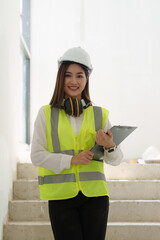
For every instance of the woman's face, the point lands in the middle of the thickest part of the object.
(74, 82)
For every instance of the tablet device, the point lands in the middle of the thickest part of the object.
(119, 134)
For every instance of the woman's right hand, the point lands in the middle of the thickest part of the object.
(82, 158)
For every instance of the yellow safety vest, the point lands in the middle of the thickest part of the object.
(89, 179)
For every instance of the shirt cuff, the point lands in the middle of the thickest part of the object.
(113, 158)
(65, 162)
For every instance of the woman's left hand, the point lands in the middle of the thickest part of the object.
(105, 140)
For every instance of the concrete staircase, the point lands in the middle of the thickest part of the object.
(134, 204)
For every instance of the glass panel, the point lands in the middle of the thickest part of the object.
(25, 21)
(25, 106)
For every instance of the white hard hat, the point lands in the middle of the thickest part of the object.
(78, 55)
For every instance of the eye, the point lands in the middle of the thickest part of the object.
(67, 75)
(80, 76)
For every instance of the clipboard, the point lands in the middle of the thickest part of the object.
(120, 133)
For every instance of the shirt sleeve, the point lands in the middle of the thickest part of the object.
(55, 162)
(115, 157)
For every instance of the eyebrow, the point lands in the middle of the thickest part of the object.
(76, 73)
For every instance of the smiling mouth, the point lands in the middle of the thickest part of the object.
(73, 88)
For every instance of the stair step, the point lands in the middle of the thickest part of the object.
(120, 210)
(122, 171)
(133, 231)
(116, 230)
(132, 171)
(27, 171)
(134, 210)
(118, 189)
(29, 210)
(26, 190)
(28, 231)
(134, 189)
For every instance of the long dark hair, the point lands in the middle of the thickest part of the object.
(58, 93)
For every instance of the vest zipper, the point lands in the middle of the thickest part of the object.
(77, 178)
(77, 166)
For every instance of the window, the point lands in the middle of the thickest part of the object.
(25, 69)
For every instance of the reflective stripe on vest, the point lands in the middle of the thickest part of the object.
(58, 178)
(54, 127)
(90, 176)
(61, 178)
(97, 117)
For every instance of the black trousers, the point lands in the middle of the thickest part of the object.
(79, 218)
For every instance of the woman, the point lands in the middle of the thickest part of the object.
(70, 177)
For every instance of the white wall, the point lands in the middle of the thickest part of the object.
(123, 39)
(9, 100)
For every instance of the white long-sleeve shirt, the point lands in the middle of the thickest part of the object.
(57, 162)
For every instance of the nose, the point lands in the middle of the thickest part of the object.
(73, 80)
